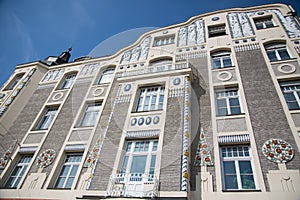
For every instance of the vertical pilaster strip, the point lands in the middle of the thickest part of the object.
(185, 137)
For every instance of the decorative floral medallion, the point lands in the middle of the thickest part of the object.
(148, 120)
(46, 158)
(141, 121)
(156, 120)
(133, 121)
(127, 87)
(277, 150)
(203, 156)
(176, 81)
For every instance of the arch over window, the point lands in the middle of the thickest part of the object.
(68, 80)
(277, 51)
(161, 61)
(107, 76)
(221, 59)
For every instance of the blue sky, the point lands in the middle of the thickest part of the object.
(31, 30)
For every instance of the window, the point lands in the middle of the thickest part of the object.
(228, 102)
(221, 59)
(151, 98)
(91, 114)
(18, 172)
(139, 159)
(291, 93)
(262, 23)
(214, 31)
(107, 76)
(68, 171)
(68, 82)
(14, 81)
(237, 168)
(277, 52)
(47, 118)
(164, 40)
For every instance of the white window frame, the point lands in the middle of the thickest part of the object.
(228, 94)
(146, 98)
(236, 157)
(276, 48)
(68, 81)
(107, 76)
(91, 114)
(130, 149)
(264, 22)
(47, 118)
(68, 175)
(221, 56)
(16, 79)
(291, 87)
(22, 164)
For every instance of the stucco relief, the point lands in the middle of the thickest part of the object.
(138, 53)
(240, 25)
(192, 34)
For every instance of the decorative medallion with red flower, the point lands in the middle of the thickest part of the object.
(277, 150)
(7, 155)
(46, 158)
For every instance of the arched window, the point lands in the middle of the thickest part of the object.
(277, 51)
(221, 59)
(107, 76)
(68, 82)
(14, 81)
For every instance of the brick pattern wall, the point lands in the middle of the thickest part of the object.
(170, 172)
(266, 112)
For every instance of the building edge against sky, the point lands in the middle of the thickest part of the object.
(205, 109)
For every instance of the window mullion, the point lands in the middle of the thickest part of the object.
(228, 106)
(297, 97)
(238, 174)
(68, 175)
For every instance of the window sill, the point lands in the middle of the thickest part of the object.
(83, 127)
(223, 68)
(148, 111)
(59, 188)
(292, 111)
(251, 190)
(266, 28)
(241, 115)
(283, 61)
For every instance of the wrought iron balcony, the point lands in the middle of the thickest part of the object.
(133, 185)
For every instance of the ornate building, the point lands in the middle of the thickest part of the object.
(205, 109)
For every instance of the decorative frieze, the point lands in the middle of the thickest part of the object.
(247, 47)
(192, 34)
(234, 139)
(124, 98)
(176, 92)
(190, 55)
(53, 75)
(240, 25)
(89, 69)
(142, 134)
(138, 53)
(7, 155)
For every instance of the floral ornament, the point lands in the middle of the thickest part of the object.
(46, 158)
(7, 155)
(277, 150)
(203, 156)
(93, 155)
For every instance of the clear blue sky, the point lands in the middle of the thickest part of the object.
(31, 30)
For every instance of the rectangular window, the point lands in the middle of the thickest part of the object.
(214, 31)
(139, 159)
(68, 171)
(107, 76)
(263, 23)
(68, 81)
(161, 41)
(14, 81)
(221, 59)
(91, 114)
(227, 102)
(291, 93)
(47, 118)
(150, 98)
(18, 172)
(237, 168)
(277, 52)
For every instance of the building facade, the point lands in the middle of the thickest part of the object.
(205, 109)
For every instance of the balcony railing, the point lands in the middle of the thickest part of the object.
(133, 185)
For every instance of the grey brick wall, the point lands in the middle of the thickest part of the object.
(25, 119)
(60, 129)
(111, 142)
(170, 172)
(266, 112)
(201, 117)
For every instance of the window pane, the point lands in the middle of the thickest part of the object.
(230, 175)
(60, 182)
(227, 62)
(138, 164)
(272, 55)
(146, 104)
(69, 183)
(216, 63)
(124, 165)
(247, 182)
(229, 167)
(153, 102)
(283, 54)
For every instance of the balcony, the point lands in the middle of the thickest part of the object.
(133, 185)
